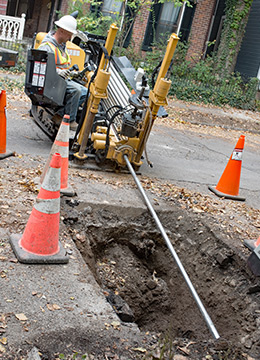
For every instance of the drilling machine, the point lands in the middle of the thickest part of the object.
(113, 123)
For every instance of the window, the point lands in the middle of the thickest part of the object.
(163, 20)
(111, 8)
(167, 22)
(17, 7)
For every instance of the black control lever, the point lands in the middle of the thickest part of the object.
(74, 67)
(144, 84)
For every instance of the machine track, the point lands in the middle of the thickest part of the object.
(42, 119)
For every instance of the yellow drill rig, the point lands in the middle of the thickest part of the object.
(114, 120)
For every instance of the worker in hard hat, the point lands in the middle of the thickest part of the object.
(55, 41)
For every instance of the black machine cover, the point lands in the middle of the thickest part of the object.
(42, 83)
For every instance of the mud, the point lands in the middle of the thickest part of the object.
(128, 257)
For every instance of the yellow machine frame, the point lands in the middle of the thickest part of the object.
(132, 147)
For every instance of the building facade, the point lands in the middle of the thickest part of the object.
(248, 60)
(40, 14)
(200, 25)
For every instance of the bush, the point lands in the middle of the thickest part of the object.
(201, 83)
(97, 26)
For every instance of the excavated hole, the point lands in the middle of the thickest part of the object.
(128, 257)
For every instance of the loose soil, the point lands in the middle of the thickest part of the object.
(129, 258)
(131, 262)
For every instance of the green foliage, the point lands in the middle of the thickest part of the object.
(201, 83)
(236, 15)
(179, 2)
(94, 22)
(232, 90)
(94, 25)
(237, 95)
(78, 5)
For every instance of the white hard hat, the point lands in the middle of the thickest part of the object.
(68, 23)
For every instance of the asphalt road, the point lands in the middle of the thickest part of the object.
(195, 161)
(186, 158)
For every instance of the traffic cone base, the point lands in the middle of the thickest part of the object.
(29, 258)
(6, 155)
(68, 191)
(226, 196)
(250, 244)
(253, 261)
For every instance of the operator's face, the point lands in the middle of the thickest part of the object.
(65, 35)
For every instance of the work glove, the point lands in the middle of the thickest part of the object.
(64, 73)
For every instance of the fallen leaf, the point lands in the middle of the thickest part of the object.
(21, 317)
(184, 350)
(68, 308)
(115, 324)
(142, 350)
(53, 307)
(2, 349)
(13, 260)
(3, 341)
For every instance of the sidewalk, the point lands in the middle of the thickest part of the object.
(56, 308)
(210, 115)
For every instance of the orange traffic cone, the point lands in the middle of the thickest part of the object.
(228, 185)
(61, 145)
(39, 243)
(252, 244)
(3, 153)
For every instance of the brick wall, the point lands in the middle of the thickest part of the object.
(64, 7)
(140, 27)
(200, 28)
(3, 6)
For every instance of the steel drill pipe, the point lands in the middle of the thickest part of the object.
(202, 309)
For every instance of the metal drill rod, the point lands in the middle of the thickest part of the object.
(173, 252)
